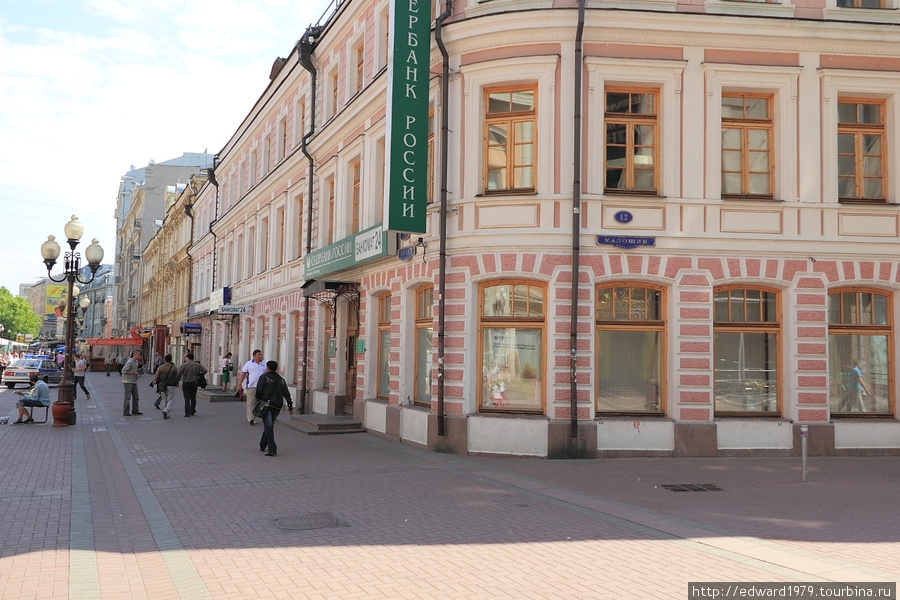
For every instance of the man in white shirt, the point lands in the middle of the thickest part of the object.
(247, 380)
(80, 370)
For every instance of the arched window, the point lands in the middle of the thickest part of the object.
(512, 317)
(746, 352)
(630, 331)
(859, 353)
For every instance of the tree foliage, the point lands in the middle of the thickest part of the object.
(16, 316)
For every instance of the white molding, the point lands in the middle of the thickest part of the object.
(662, 74)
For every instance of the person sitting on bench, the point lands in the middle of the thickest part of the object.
(39, 395)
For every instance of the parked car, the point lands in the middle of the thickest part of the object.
(19, 371)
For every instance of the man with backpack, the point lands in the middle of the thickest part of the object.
(272, 388)
(166, 380)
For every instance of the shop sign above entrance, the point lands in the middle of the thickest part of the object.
(364, 246)
(233, 309)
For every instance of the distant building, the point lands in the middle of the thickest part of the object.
(140, 203)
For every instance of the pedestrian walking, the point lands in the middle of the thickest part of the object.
(166, 380)
(189, 372)
(120, 362)
(247, 380)
(272, 388)
(79, 370)
(130, 374)
(109, 364)
(226, 371)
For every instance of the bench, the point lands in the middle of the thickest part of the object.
(31, 409)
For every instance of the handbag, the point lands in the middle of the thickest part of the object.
(201, 381)
(261, 408)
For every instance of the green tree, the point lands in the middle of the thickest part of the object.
(16, 315)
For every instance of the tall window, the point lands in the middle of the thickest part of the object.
(282, 149)
(264, 237)
(631, 140)
(861, 149)
(330, 237)
(510, 145)
(630, 326)
(301, 219)
(360, 59)
(384, 346)
(745, 351)
(356, 196)
(279, 237)
(334, 94)
(512, 344)
(746, 145)
(859, 353)
(429, 192)
(424, 347)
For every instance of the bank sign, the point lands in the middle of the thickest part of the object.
(365, 245)
(407, 116)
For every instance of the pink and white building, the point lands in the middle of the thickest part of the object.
(657, 227)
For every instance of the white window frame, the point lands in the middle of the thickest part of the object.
(867, 84)
(498, 73)
(660, 74)
(782, 84)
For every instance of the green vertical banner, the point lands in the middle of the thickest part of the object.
(407, 116)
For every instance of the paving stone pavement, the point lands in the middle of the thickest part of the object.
(123, 508)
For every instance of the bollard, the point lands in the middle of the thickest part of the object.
(804, 435)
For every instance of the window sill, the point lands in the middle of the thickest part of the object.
(863, 15)
(496, 412)
(861, 417)
(630, 416)
(766, 416)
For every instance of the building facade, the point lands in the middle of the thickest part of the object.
(664, 229)
(140, 204)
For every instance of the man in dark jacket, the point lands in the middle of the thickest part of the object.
(189, 372)
(274, 391)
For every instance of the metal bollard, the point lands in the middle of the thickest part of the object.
(804, 435)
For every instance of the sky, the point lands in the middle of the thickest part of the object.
(91, 88)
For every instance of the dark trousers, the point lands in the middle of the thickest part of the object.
(267, 441)
(79, 381)
(189, 389)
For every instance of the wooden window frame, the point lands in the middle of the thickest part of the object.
(518, 322)
(773, 327)
(745, 125)
(424, 320)
(858, 131)
(632, 120)
(510, 119)
(356, 195)
(656, 325)
(384, 325)
(855, 328)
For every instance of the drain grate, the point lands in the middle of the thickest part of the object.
(308, 521)
(691, 487)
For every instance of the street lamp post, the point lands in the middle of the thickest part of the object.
(72, 262)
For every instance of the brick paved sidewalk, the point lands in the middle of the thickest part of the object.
(137, 507)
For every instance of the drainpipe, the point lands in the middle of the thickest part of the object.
(305, 47)
(442, 268)
(576, 225)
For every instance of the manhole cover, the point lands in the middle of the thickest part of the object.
(309, 521)
(691, 487)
